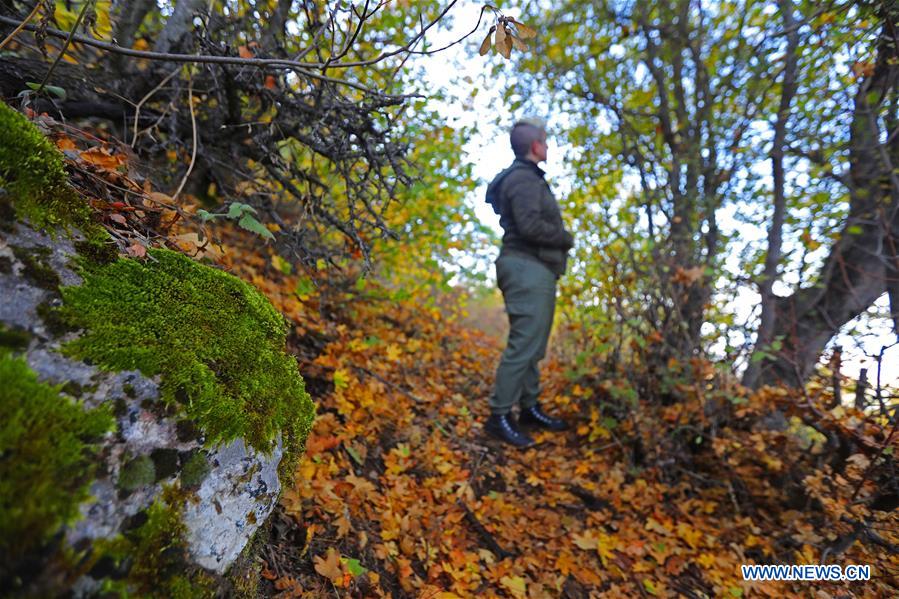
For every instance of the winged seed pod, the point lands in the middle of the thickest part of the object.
(509, 34)
(500, 34)
(524, 32)
(485, 45)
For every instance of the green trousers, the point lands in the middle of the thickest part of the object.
(529, 292)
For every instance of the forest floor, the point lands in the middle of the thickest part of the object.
(401, 493)
(656, 491)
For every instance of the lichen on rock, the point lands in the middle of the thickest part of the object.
(217, 343)
(47, 448)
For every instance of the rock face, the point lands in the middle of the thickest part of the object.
(149, 409)
(232, 488)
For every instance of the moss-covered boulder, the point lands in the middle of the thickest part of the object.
(157, 396)
(216, 342)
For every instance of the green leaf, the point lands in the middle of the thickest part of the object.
(238, 209)
(354, 454)
(254, 226)
(53, 89)
(854, 230)
(353, 565)
(206, 216)
(735, 591)
(304, 287)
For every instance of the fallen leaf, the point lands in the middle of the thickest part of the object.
(66, 143)
(329, 567)
(516, 585)
(103, 158)
(137, 250)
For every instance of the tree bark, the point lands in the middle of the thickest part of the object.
(274, 33)
(765, 334)
(178, 25)
(129, 15)
(856, 271)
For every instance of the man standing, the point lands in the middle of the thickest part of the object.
(533, 256)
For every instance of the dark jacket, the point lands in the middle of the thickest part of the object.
(530, 215)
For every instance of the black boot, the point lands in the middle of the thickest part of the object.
(536, 417)
(502, 427)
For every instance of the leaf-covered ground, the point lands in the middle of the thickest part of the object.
(660, 489)
(401, 494)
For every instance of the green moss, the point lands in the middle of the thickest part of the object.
(55, 324)
(37, 267)
(194, 471)
(47, 447)
(137, 473)
(217, 343)
(14, 339)
(33, 176)
(97, 250)
(152, 556)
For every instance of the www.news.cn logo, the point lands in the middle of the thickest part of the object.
(808, 572)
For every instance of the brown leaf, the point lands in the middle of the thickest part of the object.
(245, 52)
(137, 250)
(688, 276)
(103, 158)
(118, 218)
(66, 143)
(485, 45)
(862, 69)
(271, 82)
(524, 32)
(329, 567)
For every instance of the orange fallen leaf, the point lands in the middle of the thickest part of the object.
(103, 158)
(66, 143)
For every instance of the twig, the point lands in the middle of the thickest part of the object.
(147, 97)
(193, 124)
(65, 46)
(21, 26)
(274, 63)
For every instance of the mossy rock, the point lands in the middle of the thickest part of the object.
(149, 559)
(217, 343)
(47, 448)
(34, 180)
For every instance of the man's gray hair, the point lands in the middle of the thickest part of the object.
(524, 133)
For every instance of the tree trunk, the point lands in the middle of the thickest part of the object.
(765, 334)
(274, 33)
(856, 272)
(178, 26)
(129, 15)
